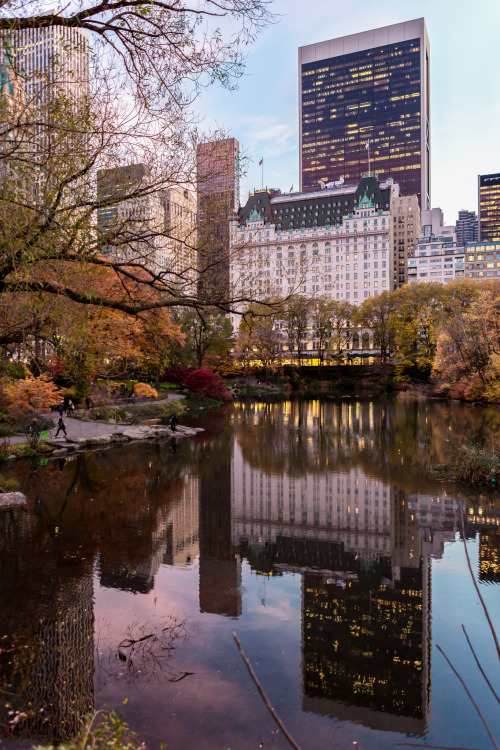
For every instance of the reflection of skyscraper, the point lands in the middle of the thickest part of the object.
(59, 692)
(220, 571)
(365, 652)
(489, 555)
(182, 541)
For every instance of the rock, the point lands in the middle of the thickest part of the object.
(12, 499)
(60, 452)
(111, 421)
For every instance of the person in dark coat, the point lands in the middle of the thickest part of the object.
(173, 422)
(61, 426)
(60, 408)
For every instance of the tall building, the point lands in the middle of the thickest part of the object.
(405, 213)
(467, 227)
(131, 217)
(335, 242)
(50, 59)
(218, 186)
(180, 252)
(489, 207)
(368, 87)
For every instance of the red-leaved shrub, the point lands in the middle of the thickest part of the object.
(207, 384)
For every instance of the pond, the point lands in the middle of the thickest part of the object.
(312, 529)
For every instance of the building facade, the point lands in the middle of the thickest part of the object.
(489, 207)
(180, 254)
(467, 227)
(482, 260)
(335, 243)
(437, 256)
(52, 59)
(369, 87)
(131, 217)
(218, 196)
(405, 212)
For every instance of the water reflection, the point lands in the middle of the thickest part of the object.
(334, 492)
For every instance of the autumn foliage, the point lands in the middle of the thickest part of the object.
(208, 384)
(24, 397)
(145, 390)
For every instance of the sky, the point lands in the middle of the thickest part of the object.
(465, 90)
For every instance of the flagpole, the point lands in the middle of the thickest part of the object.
(262, 162)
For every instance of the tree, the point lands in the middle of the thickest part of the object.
(296, 318)
(342, 315)
(417, 308)
(147, 63)
(322, 323)
(468, 344)
(375, 313)
(258, 337)
(207, 332)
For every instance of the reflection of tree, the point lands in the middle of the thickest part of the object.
(395, 441)
(146, 651)
(108, 505)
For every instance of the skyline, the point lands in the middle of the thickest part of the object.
(465, 97)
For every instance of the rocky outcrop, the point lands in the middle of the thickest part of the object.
(12, 499)
(126, 434)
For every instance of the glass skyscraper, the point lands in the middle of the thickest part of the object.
(369, 87)
(489, 207)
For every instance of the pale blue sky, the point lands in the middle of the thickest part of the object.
(465, 90)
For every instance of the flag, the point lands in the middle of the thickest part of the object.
(367, 145)
(261, 162)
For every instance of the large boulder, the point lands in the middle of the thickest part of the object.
(12, 499)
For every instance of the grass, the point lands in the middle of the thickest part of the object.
(473, 463)
(9, 484)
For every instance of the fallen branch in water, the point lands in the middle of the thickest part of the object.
(264, 696)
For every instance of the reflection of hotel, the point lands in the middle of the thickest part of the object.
(365, 589)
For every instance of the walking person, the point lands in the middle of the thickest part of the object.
(60, 408)
(88, 404)
(173, 422)
(61, 426)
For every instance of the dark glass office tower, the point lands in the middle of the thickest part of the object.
(489, 207)
(374, 87)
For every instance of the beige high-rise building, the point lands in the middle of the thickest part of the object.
(405, 213)
(180, 253)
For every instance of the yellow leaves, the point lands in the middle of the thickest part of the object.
(143, 389)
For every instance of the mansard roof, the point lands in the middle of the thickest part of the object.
(318, 208)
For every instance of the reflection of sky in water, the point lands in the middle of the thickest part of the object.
(191, 538)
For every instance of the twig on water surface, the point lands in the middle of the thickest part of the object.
(493, 632)
(479, 665)
(470, 696)
(264, 697)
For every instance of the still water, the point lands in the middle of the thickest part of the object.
(311, 528)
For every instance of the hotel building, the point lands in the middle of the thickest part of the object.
(368, 87)
(335, 242)
(489, 207)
